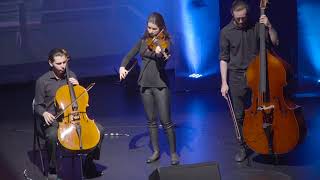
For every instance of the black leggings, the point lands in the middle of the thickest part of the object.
(157, 100)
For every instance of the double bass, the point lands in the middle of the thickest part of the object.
(76, 131)
(273, 124)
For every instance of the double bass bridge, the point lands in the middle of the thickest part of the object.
(267, 113)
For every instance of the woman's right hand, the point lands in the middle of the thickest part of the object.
(123, 73)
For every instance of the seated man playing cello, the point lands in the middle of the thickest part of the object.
(45, 91)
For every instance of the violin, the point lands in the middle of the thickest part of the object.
(76, 131)
(161, 40)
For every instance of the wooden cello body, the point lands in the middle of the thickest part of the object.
(272, 124)
(76, 131)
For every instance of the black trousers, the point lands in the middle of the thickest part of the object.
(240, 94)
(157, 101)
(50, 135)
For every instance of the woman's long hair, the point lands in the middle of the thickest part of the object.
(157, 19)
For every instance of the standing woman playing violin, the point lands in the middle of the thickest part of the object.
(46, 87)
(153, 48)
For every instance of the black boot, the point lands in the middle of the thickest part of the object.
(52, 174)
(241, 155)
(172, 143)
(155, 145)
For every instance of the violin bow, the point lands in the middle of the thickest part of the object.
(236, 127)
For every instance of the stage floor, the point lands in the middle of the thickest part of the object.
(203, 126)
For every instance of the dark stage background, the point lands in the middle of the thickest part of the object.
(100, 33)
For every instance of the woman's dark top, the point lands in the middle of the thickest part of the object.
(152, 73)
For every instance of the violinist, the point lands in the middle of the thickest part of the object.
(239, 44)
(154, 50)
(46, 87)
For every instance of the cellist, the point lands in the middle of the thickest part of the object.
(239, 44)
(46, 87)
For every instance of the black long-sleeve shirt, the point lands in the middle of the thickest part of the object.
(239, 46)
(152, 73)
(46, 88)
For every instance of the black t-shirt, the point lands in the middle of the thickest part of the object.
(239, 46)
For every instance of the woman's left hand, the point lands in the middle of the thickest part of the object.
(158, 49)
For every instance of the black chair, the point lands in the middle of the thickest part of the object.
(37, 135)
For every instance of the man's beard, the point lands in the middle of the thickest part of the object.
(241, 25)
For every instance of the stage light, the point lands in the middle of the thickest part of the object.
(308, 32)
(195, 75)
(200, 30)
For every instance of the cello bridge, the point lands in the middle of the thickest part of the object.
(75, 115)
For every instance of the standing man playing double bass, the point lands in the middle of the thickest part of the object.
(45, 91)
(239, 44)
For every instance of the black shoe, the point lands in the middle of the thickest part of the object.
(52, 176)
(241, 155)
(154, 157)
(174, 159)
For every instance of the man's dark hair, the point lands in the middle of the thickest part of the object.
(239, 5)
(57, 52)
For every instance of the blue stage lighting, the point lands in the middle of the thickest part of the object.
(200, 33)
(309, 30)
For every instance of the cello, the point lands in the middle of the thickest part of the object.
(76, 131)
(273, 124)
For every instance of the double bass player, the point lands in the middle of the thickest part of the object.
(239, 44)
